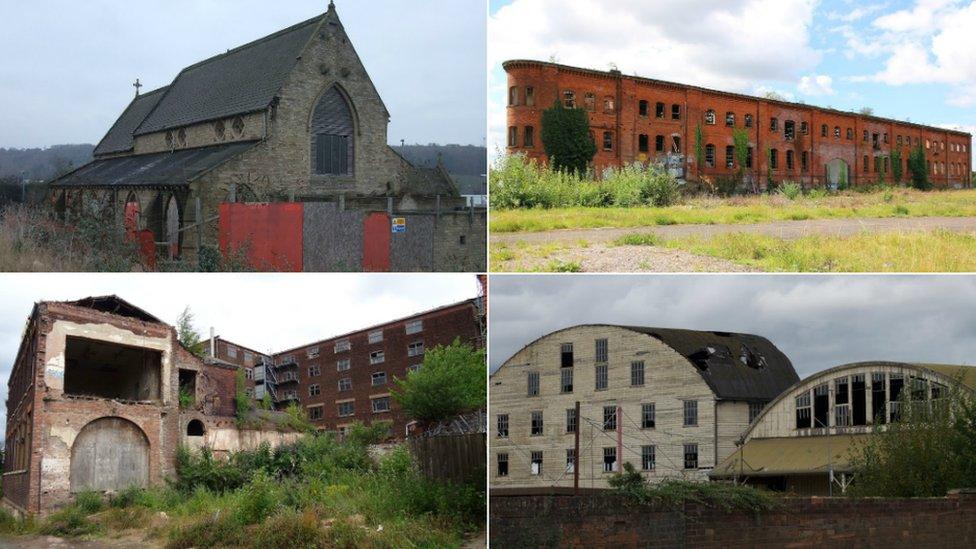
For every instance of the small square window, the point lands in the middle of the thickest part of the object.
(315, 413)
(379, 378)
(377, 357)
(314, 389)
(414, 327)
(376, 336)
(415, 349)
(346, 409)
(342, 365)
(345, 384)
(381, 404)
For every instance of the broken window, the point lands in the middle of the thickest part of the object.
(536, 463)
(710, 155)
(850, 134)
(342, 345)
(773, 124)
(637, 373)
(675, 112)
(804, 160)
(691, 456)
(773, 158)
(659, 110)
(748, 120)
(864, 164)
(502, 464)
(858, 400)
(571, 422)
(647, 415)
(312, 352)
(821, 406)
(533, 383)
(675, 144)
(188, 385)
(109, 370)
(376, 357)
(380, 404)
(789, 130)
(895, 384)
(608, 141)
(865, 135)
(842, 410)
(608, 105)
(566, 380)
(529, 140)
(642, 107)
(874, 141)
(730, 119)
(379, 378)
(569, 99)
(659, 143)
(920, 388)
(513, 136)
(885, 139)
(710, 117)
(754, 409)
(690, 416)
(314, 389)
(529, 96)
(566, 355)
(601, 377)
(609, 460)
(647, 458)
(570, 460)
(823, 130)
(749, 157)
(415, 349)
(789, 160)
(837, 132)
(884, 165)
(513, 96)
(502, 426)
(877, 164)
(804, 128)
(346, 409)
(589, 102)
(729, 156)
(316, 413)
(609, 418)
(643, 143)
(537, 423)
(803, 411)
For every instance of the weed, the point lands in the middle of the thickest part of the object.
(89, 501)
(791, 190)
(639, 239)
(557, 266)
(70, 521)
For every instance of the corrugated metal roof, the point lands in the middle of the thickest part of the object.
(245, 79)
(735, 366)
(119, 137)
(166, 168)
(791, 456)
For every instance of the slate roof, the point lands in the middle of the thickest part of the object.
(243, 80)
(735, 366)
(115, 305)
(119, 138)
(423, 181)
(157, 169)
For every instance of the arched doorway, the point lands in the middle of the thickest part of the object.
(110, 453)
(838, 174)
(195, 428)
(173, 227)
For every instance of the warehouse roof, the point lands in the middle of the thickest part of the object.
(790, 456)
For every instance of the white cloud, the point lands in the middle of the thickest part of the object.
(855, 14)
(816, 84)
(726, 44)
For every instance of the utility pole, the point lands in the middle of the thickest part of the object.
(620, 439)
(576, 456)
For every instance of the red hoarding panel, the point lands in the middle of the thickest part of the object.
(269, 234)
(376, 243)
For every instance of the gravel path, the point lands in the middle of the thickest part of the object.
(628, 259)
(781, 229)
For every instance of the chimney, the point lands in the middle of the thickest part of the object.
(213, 344)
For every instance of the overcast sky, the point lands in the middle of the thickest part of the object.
(907, 59)
(263, 311)
(67, 67)
(817, 321)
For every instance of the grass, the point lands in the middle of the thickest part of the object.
(318, 492)
(890, 202)
(917, 251)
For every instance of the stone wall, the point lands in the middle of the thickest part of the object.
(610, 520)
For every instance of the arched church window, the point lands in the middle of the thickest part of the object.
(332, 135)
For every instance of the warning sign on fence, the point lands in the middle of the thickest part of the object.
(399, 224)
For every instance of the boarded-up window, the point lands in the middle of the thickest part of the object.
(331, 154)
(332, 131)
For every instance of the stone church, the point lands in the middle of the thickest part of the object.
(293, 116)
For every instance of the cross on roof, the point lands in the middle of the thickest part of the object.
(137, 85)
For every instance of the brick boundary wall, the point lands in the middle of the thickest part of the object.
(524, 519)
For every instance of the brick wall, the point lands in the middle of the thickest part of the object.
(626, 124)
(606, 519)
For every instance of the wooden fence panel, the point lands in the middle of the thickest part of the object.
(450, 458)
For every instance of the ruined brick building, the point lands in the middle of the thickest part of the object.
(100, 396)
(635, 119)
(671, 402)
(348, 378)
(292, 117)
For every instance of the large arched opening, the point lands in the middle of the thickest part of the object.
(109, 454)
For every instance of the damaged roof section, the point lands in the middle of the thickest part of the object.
(115, 305)
(153, 170)
(735, 366)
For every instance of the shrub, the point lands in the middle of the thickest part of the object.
(919, 168)
(257, 500)
(70, 521)
(566, 138)
(791, 190)
(451, 380)
(289, 529)
(89, 501)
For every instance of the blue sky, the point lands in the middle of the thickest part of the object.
(906, 59)
(68, 67)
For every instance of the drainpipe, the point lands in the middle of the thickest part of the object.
(213, 344)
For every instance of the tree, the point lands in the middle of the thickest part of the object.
(452, 380)
(187, 333)
(919, 168)
(866, 111)
(740, 141)
(699, 148)
(896, 167)
(566, 138)
(774, 96)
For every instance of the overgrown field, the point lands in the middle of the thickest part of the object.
(527, 197)
(319, 492)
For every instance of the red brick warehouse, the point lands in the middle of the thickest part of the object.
(641, 119)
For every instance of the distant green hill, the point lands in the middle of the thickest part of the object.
(43, 164)
(457, 159)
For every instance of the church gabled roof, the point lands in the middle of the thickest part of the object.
(243, 80)
(119, 138)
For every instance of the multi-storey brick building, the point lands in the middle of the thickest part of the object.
(348, 378)
(634, 119)
(250, 361)
(100, 396)
(804, 440)
(670, 402)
